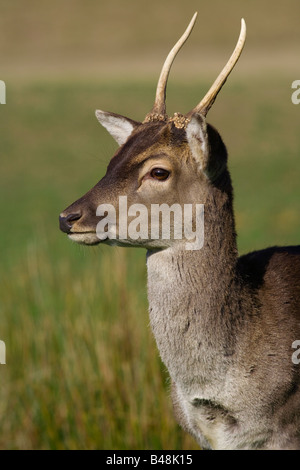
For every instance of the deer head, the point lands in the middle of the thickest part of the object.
(175, 160)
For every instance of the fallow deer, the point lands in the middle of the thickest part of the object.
(224, 325)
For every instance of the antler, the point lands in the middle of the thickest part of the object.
(158, 111)
(206, 103)
(159, 108)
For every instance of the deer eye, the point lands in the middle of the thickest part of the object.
(159, 174)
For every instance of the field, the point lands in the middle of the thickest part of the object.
(83, 371)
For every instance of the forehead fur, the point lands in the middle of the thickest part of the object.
(143, 138)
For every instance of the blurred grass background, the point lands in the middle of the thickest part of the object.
(82, 367)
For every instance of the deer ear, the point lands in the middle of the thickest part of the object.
(197, 137)
(119, 127)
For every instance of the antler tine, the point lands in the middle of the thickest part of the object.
(208, 100)
(159, 108)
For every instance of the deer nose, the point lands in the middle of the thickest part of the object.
(66, 222)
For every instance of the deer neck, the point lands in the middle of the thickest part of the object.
(190, 299)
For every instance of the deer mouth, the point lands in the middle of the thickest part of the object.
(84, 238)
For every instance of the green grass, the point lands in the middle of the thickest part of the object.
(82, 367)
